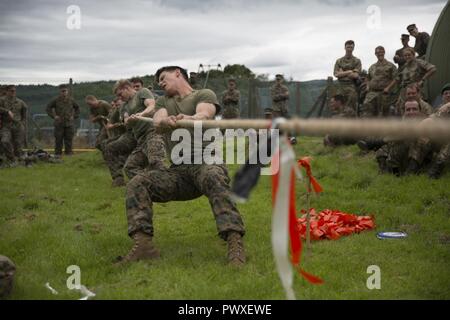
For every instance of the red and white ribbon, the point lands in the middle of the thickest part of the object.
(285, 230)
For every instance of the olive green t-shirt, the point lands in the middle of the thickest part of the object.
(102, 109)
(136, 105)
(187, 105)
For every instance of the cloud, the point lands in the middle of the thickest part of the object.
(119, 39)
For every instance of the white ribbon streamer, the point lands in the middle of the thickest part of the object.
(280, 219)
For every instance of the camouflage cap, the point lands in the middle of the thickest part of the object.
(446, 87)
(405, 36)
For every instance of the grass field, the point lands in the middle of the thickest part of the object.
(56, 215)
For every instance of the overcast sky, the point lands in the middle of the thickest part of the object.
(119, 39)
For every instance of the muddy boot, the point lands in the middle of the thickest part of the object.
(436, 170)
(143, 249)
(236, 252)
(118, 182)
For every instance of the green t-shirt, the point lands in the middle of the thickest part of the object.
(187, 105)
(102, 109)
(136, 105)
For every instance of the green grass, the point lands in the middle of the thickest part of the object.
(56, 215)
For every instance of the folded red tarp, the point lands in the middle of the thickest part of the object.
(333, 224)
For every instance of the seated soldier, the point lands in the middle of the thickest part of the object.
(339, 110)
(404, 156)
(441, 149)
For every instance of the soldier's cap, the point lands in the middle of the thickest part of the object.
(121, 83)
(364, 72)
(410, 27)
(405, 36)
(268, 111)
(446, 87)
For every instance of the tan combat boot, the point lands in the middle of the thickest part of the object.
(143, 249)
(236, 252)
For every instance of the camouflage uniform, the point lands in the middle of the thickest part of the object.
(377, 103)
(230, 101)
(412, 72)
(442, 149)
(119, 146)
(345, 112)
(184, 181)
(421, 44)
(7, 271)
(6, 146)
(16, 125)
(150, 149)
(401, 60)
(347, 86)
(101, 111)
(67, 110)
(280, 98)
(395, 155)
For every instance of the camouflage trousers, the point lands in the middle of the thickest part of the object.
(6, 145)
(116, 152)
(398, 153)
(279, 109)
(350, 94)
(7, 270)
(376, 104)
(101, 138)
(230, 112)
(63, 136)
(181, 183)
(442, 150)
(149, 153)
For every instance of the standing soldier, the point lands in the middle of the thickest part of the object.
(15, 118)
(414, 71)
(280, 97)
(194, 81)
(230, 101)
(98, 113)
(422, 39)
(347, 70)
(64, 110)
(182, 181)
(380, 75)
(399, 59)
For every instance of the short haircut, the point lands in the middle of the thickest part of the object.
(380, 48)
(413, 86)
(412, 101)
(120, 84)
(340, 98)
(413, 52)
(171, 69)
(232, 80)
(137, 79)
(90, 97)
(349, 42)
(62, 86)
